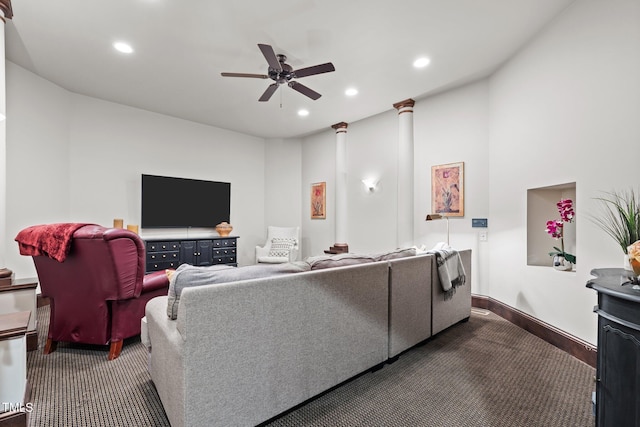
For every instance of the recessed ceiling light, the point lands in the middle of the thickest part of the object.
(123, 47)
(421, 62)
(303, 113)
(352, 91)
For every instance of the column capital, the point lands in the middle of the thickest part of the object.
(407, 103)
(5, 7)
(340, 127)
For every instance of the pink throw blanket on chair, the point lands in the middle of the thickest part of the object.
(52, 240)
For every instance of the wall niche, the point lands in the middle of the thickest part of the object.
(541, 207)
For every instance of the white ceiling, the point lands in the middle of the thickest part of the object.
(181, 46)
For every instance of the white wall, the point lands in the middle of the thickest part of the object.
(453, 127)
(371, 217)
(565, 109)
(318, 165)
(372, 152)
(38, 176)
(282, 186)
(76, 158)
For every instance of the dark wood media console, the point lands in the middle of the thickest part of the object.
(170, 253)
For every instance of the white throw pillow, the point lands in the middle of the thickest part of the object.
(281, 246)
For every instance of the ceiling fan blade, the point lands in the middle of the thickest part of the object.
(270, 56)
(316, 69)
(304, 90)
(253, 76)
(267, 93)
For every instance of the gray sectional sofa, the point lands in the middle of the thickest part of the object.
(240, 353)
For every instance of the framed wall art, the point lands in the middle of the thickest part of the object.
(319, 200)
(447, 189)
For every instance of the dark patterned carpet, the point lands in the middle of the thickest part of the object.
(486, 372)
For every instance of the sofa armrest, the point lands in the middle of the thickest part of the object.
(160, 329)
(154, 281)
(261, 251)
(449, 311)
(166, 364)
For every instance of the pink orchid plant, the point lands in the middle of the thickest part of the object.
(556, 228)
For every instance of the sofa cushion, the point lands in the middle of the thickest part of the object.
(340, 260)
(273, 259)
(281, 246)
(187, 276)
(398, 253)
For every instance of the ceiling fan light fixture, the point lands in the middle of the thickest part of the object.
(352, 91)
(282, 73)
(421, 62)
(123, 47)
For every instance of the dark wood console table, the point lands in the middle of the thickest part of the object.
(163, 253)
(618, 366)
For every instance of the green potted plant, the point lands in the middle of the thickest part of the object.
(620, 218)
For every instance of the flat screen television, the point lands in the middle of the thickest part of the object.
(182, 202)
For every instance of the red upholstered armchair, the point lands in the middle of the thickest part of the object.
(99, 292)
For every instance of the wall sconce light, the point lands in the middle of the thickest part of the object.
(371, 184)
(435, 216)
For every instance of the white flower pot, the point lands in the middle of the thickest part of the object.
(561, 264)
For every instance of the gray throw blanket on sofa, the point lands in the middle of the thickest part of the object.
(450, 269)
(187, 276)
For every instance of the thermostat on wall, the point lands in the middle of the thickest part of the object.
(479, 222)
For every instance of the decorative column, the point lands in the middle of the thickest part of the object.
(5, 274)
(404, 237)
(341, 245)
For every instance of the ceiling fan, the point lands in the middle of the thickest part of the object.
(281, 73)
